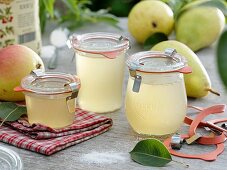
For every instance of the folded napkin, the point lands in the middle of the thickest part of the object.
(46, 140)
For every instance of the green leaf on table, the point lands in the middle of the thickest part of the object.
(221, 4)
(154, 39)
(10, 111)
(151, 152)
(222, 57)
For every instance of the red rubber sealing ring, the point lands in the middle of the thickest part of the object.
(211, 156)
(207, 140)
(217, 140)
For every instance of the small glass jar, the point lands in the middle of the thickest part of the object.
(10, 160)
(156, 99)
(100, 59)
(50, 98)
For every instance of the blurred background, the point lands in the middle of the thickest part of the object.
(116, 7)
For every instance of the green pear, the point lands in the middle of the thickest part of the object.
(199, 27)
(148, 17)
(197, 83)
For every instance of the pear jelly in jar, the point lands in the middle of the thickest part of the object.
(50, 98)
(100, 60)
(156, 99)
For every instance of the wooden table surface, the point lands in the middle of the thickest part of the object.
(120, 140)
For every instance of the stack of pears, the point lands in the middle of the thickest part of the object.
(198, 24)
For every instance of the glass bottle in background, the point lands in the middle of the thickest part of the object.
(19, 23)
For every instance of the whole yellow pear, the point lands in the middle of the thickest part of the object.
(197, 83)
(148, 17)
(199, 27)
(16, 62)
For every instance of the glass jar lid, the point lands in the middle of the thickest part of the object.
(156, 61)
(50, 83)
(98, 42)
(9, 160)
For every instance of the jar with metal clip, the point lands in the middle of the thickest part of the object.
(50, 97)
(100, 64)
(156, 99)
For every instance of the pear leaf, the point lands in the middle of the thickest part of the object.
(220, 4)
(222, 57)
(10, 111)
(151, 152)
(49, 5)
(176, 5)
(154, 39)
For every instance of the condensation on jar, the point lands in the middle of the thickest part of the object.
(50, 98)
(156, 99)
(100, 60)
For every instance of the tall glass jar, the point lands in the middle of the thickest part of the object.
(156, 99)
(100, 59)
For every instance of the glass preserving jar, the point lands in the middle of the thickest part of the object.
(10, 160)
(50, 98)
(100, 65)
(156, 99)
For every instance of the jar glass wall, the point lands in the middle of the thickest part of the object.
(102, 80)
(100, 59)
(156, 99)
(51, 110)
(160, 106)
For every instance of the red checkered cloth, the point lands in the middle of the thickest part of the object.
(45, 140)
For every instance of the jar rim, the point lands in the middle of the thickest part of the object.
(50, 83)
(98, 42)
(156, 61)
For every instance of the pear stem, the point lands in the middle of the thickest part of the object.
(212, 91)
(181, 163)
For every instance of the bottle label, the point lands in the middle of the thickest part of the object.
(19, 23)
